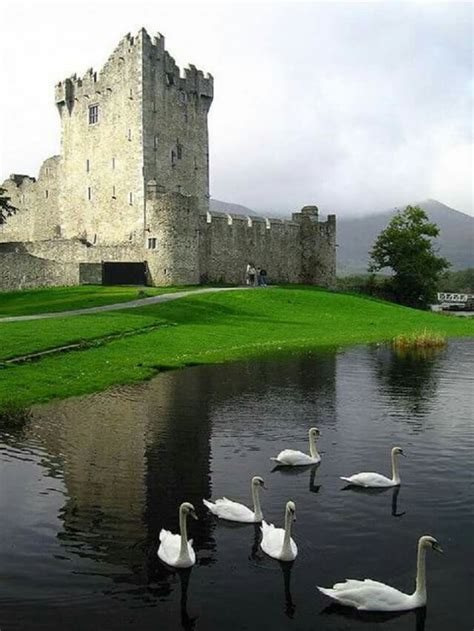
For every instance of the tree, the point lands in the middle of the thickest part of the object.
(6, 209)
(405, 246)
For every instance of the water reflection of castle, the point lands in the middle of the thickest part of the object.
(130, 456)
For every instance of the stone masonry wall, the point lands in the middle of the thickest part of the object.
(21, 270)
(37, 205)
(102, 162)
(227, 243)
(175, 110)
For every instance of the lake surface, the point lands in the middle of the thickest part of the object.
(86, 485)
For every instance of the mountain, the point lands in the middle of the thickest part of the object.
(355, 236)
(227, 207)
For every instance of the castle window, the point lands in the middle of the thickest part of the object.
(155, 143)
(46, 193)
(169, 78)
(129, 134)
(113, 192)
(130, 198)
(93, 114)
(89, 193)
(113, 163)
(173, 158)
(151, 245)
(131, 93)
(88, 166)
(179, 151)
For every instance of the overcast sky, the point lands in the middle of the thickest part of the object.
(352, 107)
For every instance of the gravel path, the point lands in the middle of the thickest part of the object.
(143, 302)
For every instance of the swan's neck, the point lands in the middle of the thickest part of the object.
(183, 551)
(257, 509)
(395, 474)
(286, 549)
(312, 447)
(420, 590)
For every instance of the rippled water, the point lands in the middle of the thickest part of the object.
(86, 485)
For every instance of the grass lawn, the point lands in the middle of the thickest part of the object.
(207, 328)
(53, 299)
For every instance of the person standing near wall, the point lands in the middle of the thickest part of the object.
(262, 277)
(251, 274)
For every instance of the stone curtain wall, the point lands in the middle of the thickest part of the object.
(227, 243)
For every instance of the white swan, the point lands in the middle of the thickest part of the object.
(369, 479)
(233, 511)
(371, 595)
(293, 458)
(277, 542)
(176, 550)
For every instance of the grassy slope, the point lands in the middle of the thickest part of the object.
(56, 299)
(215, 328)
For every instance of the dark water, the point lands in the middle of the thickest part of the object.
(87, 484)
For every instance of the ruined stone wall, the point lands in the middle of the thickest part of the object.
(102, 161)
(175, 109)
(21, 270)
(37, 204)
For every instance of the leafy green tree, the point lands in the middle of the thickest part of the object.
(405, 246)
(6, 209)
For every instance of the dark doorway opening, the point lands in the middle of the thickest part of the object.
(123, 273)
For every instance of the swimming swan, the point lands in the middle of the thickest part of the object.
(176, 550)
(369, 479)
(233, 511)
(371, 595)
(293, 458)
(277, 542)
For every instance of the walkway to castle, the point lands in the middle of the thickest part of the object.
(118, 306)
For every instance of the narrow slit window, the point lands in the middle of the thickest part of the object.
(130, 198)
(113, 164)
(155, 143)
(113, 192)
(93, 114)
(88, 166)
(46, 193)
(173, 158)
(129, 134)
(179, 151)
(151, 243)
(89, 193)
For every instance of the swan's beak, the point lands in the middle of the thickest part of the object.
(193, 514)
(400, 453)
(437, 547)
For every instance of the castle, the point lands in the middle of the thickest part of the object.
(127, 199)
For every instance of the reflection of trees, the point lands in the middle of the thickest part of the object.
(409, 378)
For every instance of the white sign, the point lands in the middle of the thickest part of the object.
(448, 297)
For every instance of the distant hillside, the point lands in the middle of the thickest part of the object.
(355, 236)
(227, 207)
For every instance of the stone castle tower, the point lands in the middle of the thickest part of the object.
(131, 187)
(134, 121)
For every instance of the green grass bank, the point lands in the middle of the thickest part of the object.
(206, 328)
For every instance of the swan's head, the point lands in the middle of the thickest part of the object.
(258, 481)
(188, 509)
(314, 432)
(427, 541)
(397, 451)
(291, 509)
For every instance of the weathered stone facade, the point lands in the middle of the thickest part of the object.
(131, 183)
